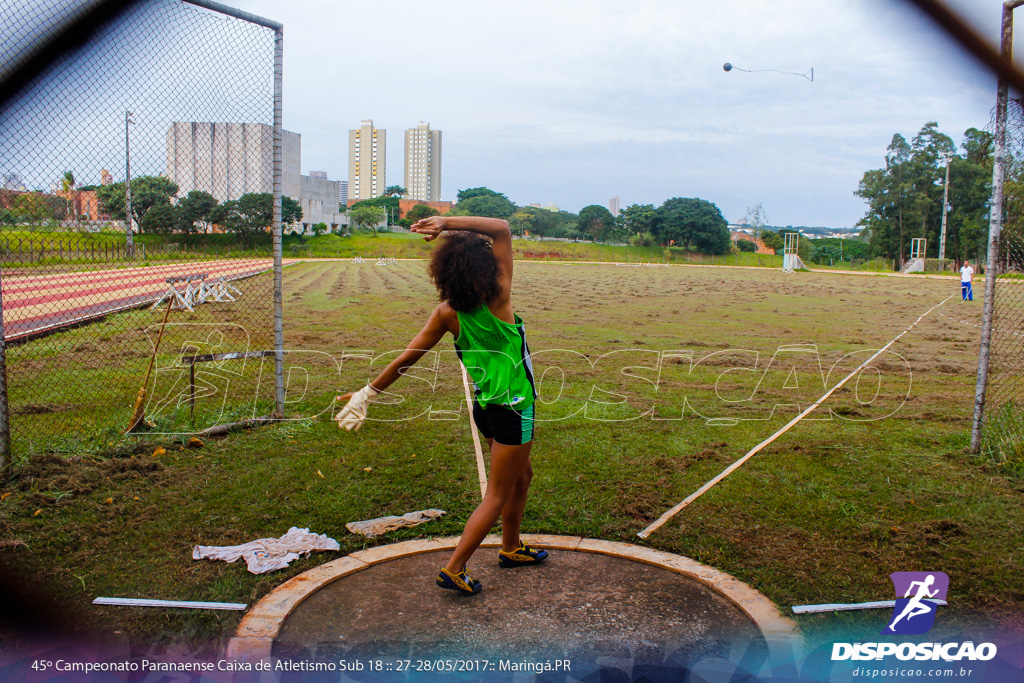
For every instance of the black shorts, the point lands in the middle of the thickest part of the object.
(507, 426)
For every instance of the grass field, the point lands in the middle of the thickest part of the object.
(824, 514)
(65, 249)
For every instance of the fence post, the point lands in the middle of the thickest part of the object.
(5, 423)
(994, 230)
(278, 228)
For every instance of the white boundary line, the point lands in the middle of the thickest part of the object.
(756, 449)
(188, 604)
(481, 471)
(842, 607)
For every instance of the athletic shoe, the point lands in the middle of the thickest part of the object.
(462, 582)
(523, 555)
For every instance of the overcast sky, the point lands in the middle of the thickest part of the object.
(573, 102)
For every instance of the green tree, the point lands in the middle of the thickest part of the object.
(481, 201)
(162, 218)
(395, 191)
(638, 219)
(905, 198)
(564, 224)
(147, 192)
(419, 212)
(32, 208)
(772, 240)
(833, 249)
(253, 213)
(247, 216)
(366, 216)
(194, 211)
(521, 222)
(386, 202)
(746, 245)
(970, 189)
(320, 228)
(67, 187)
(291, 210)
(693, 222)
(596, 221)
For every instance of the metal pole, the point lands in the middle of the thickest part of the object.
(128, 185)
(5, 423)
(276, 227)
(994, 229)
(945, 206)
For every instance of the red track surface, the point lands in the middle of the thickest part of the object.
(35, 301)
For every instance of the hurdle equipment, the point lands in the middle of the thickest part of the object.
(182, 298)
(218, 289)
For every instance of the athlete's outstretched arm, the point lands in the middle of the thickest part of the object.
(432, 331)
(495, 228)
(354, 412)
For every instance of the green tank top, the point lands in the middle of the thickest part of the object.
(497, 359)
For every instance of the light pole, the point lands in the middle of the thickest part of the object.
(129, 243)
(945, 206)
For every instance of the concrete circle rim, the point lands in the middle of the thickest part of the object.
(259, 628)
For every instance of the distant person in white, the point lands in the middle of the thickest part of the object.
(966, 277)
(914, 607)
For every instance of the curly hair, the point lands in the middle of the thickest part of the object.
(464, 270)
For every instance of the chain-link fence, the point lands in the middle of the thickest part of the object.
(999, 410)
(1004, 409)
(142, 170)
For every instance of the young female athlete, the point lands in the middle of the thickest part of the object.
(473, 276)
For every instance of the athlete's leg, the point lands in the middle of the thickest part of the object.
(918, 611)
(512, 513)
(508, 464)
(906, 609)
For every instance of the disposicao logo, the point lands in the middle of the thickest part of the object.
(918, 595)
(914, 612)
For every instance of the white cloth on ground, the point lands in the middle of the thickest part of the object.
(267, 554)
(382, 525)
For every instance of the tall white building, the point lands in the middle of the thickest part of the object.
(423, 163)
(613, 206)
(230, 159)
(367, 152)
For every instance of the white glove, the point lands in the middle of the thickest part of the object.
(354, 413)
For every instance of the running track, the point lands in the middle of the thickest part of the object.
(34, 302)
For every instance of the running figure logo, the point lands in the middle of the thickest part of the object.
(914, 613)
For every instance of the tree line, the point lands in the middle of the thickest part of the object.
(692, 223)
(687, 222)
(197, 212)
(905, 197)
